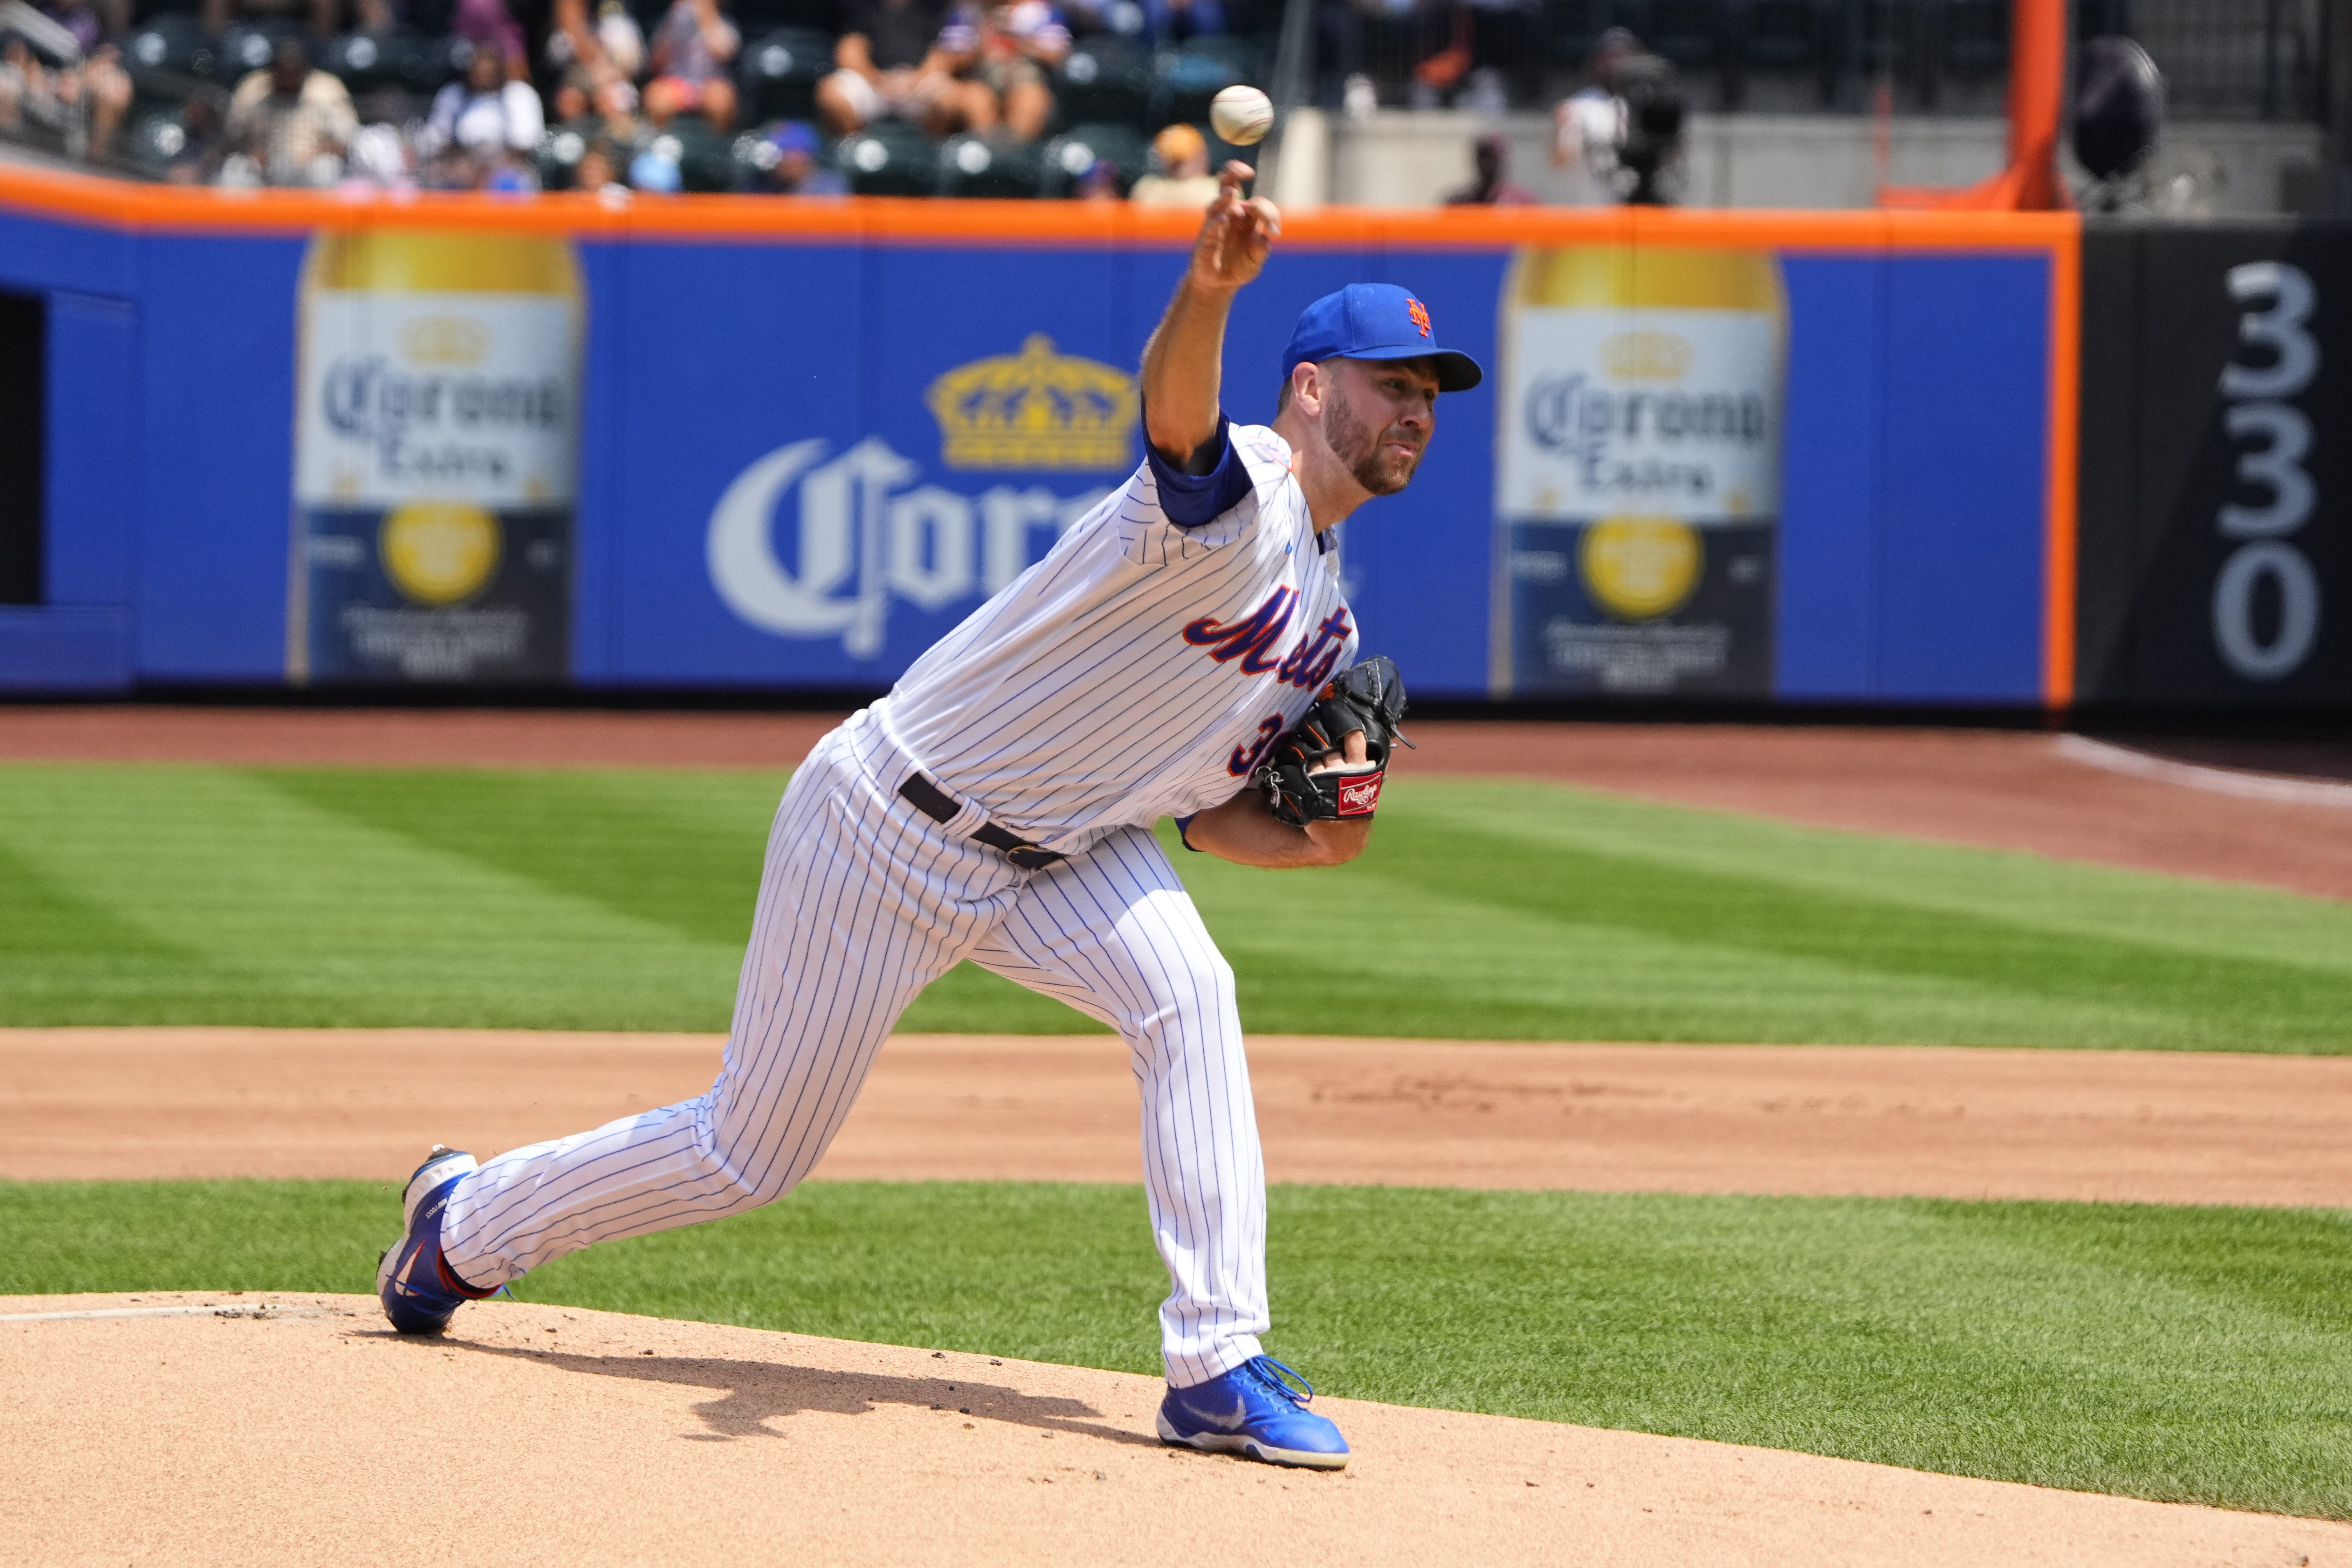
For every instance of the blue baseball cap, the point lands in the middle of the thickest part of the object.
(1375, 321)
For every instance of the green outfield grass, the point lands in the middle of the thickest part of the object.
(1485, 909)
(2182, 1354)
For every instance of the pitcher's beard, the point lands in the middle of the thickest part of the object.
(1359, 447)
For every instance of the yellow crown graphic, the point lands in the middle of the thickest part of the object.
(1036, 409)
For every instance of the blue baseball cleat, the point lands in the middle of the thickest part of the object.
(419, 1293)
(1259, 1408)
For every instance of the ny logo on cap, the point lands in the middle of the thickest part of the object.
(1419, 312)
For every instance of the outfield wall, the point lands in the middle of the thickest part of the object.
(807, 441)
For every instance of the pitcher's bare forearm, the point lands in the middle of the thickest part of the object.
(1182, 366)
(1183, 362)
(1246, 831)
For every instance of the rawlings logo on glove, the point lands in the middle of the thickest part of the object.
(1304, 774)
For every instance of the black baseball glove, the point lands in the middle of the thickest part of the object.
(1367, 697)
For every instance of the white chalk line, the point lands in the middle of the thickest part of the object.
(2214, 781)
(212, 1309)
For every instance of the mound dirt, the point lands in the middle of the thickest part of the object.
(2120, 1125)
(301, 1430)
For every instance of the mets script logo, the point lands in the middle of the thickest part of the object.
(1419, 312)
(1359, 799)
(1253, 638)
(866, 535)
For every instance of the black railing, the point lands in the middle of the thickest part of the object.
(2222, 59)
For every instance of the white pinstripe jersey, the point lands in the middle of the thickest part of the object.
(1141, 668)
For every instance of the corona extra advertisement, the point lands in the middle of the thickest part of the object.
(871, 531)
(1638, 489)
(435, 436)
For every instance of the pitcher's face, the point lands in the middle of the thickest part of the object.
(1378, 417)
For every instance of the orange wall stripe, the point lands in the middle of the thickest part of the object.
(2066, 434)
(122, 205)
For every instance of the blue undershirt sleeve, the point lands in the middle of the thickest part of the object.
(1190, 500)
(1184, 837)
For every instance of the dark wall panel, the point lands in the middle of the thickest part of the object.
(2217, 501)
(23, 457)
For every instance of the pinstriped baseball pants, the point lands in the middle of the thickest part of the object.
(864, 901)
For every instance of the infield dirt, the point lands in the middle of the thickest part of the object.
(2157, 1127)
(551, 1434)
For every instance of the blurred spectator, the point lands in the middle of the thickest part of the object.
(796, 172)
(1588, 127)
(894, 58)
(690, 51)
(93, 30)
(1099, 182)
(74, 95)
(24, 85)
(202, 145)
(588, 59)
(1088, 17)
(1180, 177)
(489, 24)
(292, 122)
(1018, 45)
(596, 169)
(383, 151)
(1170, 22)
(655, 168)
(482, 124)
(1491, 157)
(322, 17)
(610, 112)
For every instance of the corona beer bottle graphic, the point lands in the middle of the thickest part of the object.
(434, 461)
(1638, 482)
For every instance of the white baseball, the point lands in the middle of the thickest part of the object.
(1240, 115)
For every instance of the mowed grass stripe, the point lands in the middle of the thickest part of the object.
(1485, 909)
(2180, 1354)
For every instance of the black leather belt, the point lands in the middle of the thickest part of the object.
(939, 806)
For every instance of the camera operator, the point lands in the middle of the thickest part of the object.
(1623, 129)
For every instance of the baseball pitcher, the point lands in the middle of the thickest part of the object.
(1183, 651)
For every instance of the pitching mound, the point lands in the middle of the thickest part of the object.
(300, 1430)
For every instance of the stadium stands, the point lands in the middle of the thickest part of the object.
(1115, 85)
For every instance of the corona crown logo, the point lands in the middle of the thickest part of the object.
(1036, 410)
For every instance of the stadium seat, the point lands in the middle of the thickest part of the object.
(1105, 80)
(399, 59)
(1185, 81)
(170, 42)
(706, 159)
(245, 48)
(155, 141)
(778, 73)
(1688, 32)
(1975, 37)
(984, 166)
(889, 158)
(1239, 53)
(757, 18)
(558, 154)
(1068, 157)
(1575, 25)
(1781, 35)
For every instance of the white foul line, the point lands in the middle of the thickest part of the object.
(215, 1309)
(2217, 781)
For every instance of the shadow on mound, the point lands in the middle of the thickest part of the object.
(751, 1394)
